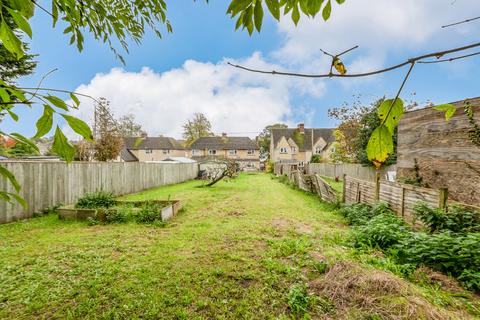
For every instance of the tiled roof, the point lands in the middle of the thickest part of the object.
(127, 156)
(153, 143)
(224, 143)
(325, 133)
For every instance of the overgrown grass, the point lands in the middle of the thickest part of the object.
(251, 248)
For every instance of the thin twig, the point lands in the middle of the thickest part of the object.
(409, 61)
(62, 91)
(42, 8)
(348, 50)
(460, 22)
(451, 59)
(40, 83)
(399, 91)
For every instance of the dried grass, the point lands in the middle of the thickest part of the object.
(352, 288)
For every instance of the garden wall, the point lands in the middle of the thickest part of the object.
(446, 157)
(45, 184)
(351, 169)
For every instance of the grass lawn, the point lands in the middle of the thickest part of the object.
(251, 248)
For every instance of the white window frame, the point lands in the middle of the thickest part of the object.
(294, 150)
(148, 151)
(166, 151)
(251, 152)
(212, 152)
(318, 150)
(232, 152)
(283, 150)
(194, 152)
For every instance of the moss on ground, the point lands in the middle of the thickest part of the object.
(252, 248)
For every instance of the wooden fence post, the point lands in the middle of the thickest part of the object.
(344, 188)
(403, 203)
(377, 186)
(442, 198)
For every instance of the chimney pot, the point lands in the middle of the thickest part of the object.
(301, 127)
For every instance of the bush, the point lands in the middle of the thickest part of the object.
(359, 214)
(149, 213)
(96, 200)
(456, 219)
(120, 215)
(383, 231)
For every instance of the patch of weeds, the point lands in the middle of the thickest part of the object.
(291, 246)
(92, 221)
(47, 211)
(148, 213)
(94, 200)
(120, 215)
(320, 266)
(301, 303)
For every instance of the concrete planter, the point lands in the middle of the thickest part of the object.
(168, 209)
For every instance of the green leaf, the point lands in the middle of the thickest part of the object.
(295, 14)
(19, 199)
(57, 102)
(237, 6)
(327, 10)
(314, 7)
(274, 8)
(21, 22)
(44, 123)
(449, 109)
(391, 114)
(79, 127)
(258, 15)
(61, 146)
(10, 40)
(8, 175)
(380, 145)
(4, 95)
(12, 114)
(22, 139)
(340, 1)
(75, 99)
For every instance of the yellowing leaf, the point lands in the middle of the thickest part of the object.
(390, 113)
(449, 109)
(380, 145)
(339, 66)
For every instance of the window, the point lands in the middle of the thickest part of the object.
(195, 152)
(212, 152)
(283, 150)
(232, 152)
(251, 152)
(301, 164)
(148, 151)
(166, 151)
(294, 150)
(250, 165)
(318, 150)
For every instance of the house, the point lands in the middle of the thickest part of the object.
(151, 149)
(298, 145)
(241, 149)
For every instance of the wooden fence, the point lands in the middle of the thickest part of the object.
(45, 184)
(354, 170)
(401, 198)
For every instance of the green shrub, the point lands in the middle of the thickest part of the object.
(94, 200)
(470, 279)
(120, 215)
(382, 231)
(148, 213)
(456, 219)
(359, 214)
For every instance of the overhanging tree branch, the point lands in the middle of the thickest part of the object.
(437, 55)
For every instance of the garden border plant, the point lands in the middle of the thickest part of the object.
(451, 243)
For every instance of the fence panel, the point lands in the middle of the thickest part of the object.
(46, 184)
(354, 170)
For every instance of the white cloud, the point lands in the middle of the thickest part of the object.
(239, 101)
(233, 100)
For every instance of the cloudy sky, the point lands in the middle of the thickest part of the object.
(166, 80)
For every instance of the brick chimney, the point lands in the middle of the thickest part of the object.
(301, 127)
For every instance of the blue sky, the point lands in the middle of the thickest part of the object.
(166, 80)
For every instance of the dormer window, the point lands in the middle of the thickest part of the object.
(283, 150)
(148, 151)
(294, 150)
(318, 150)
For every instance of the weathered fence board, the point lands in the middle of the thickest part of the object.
(354, 170)
(46, 184)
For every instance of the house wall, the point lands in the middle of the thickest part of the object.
(446, 156)
(157, 155)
